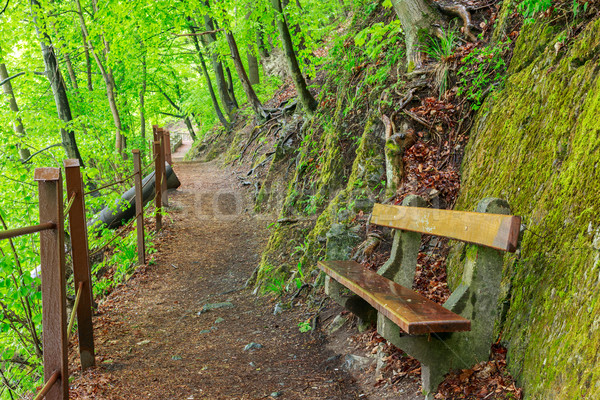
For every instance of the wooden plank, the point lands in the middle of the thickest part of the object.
(81, 262)
(158, 167)
(168, 156)
(52, 260)
(163, 179)
(491, 230)
(412, 312)
(139, 207)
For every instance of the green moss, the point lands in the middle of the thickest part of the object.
(537, 144)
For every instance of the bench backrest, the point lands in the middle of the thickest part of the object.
(497, 231)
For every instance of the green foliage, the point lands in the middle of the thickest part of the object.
(304, 326)
(441, 48)
(483, 70)
(531, 8)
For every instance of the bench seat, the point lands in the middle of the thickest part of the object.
(411, 311)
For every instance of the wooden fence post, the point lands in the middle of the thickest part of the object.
(52, 259)
(81, 262)
(168, 157)
(163, 155)
(139, 207)
(158, 167)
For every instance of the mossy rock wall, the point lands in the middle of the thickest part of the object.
(536, 143)
(339, 197)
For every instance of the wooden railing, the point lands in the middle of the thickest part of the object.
(55, 330)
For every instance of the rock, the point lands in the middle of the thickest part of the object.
(278, 309)
(363, 325)
(215, 306)
(176, 358)
(381, 362)
(336, 324)
(253, 346)
(143, 342)
(275, 394)
(251, 363)
(203, 331)
(219, 320)
(333, 358)
(354, 362)
(340, 242)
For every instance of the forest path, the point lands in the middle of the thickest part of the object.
(151, 342)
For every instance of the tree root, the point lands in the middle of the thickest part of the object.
(461, 11)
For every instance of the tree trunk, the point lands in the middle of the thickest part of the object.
(71, 71)
(230, 87)
(142, 95)
(253, 73)
(208, 41)
(176, 107)
(12, 102)
(190, 127)
(211, 91)
(306, 99)
(237, 62)
(108, 80)
(260, 41)
(415, 16)
(56, 82)
(88, 64)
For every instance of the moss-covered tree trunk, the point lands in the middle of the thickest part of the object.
(416, 17)
(306, 99)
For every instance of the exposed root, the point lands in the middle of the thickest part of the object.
(461, 11)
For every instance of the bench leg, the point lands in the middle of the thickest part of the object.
(438, 353)
(353, 303)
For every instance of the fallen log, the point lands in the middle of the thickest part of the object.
(124, 208)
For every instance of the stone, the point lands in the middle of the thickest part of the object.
(275, 394)
(219, 320)
(253, 346)
(340, 242)
(337, 324)
(215, 306)
(354, 362)
(278, 309)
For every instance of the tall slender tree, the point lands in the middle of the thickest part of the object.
(107, 76)
(209, 41)
(56, 82)
(237, 62)
(202, 69)
(12, 103)
(306, 99)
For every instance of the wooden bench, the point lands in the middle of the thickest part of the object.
(456, 335)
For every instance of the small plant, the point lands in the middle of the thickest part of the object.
(304, 326)
(482, 72)
(441, 50)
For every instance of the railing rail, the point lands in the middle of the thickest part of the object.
(56, 333)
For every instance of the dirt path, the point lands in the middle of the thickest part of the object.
(153, 344)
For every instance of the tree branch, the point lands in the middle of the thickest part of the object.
(39, 151)
(5, 7)
(172, 115)
(199, 33)
(10, 78)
